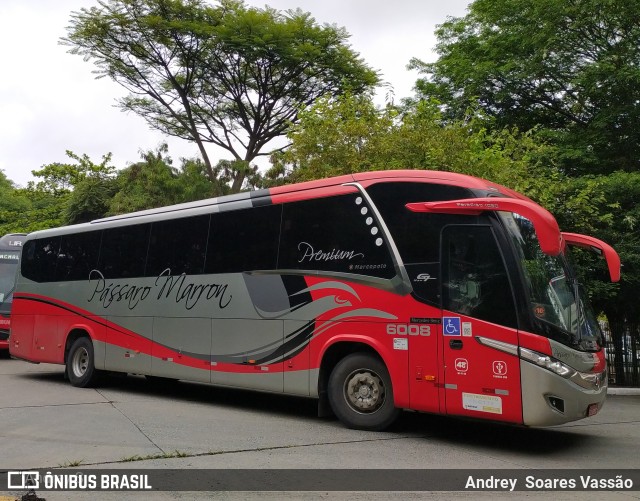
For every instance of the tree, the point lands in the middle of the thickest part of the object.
(154, 182)
(14, 203)
(616, 219)
(89, 200)
(571, 71)
(615, 215)
(78, 191)
(36, 210)
(146, 184)
(333, 137)
(350, 134)
(571, 68)
(59, 179)
(54, 201)
(10, 198)
(228, 75)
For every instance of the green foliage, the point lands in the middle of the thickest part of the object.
(90, 200)
(570, 72)
(335, 136)
(11, 200)
(146, 184)
(82, 189)
(59, 179)
(615, 219)
(194, 183)
(349, 134)
(44, 210)
(230, 75)
(53, 201)
(571, 69)
(154, 182)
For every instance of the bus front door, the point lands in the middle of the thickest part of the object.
(479, 335)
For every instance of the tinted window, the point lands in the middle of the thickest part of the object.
(244, 240)
(416, 234)
(78, 256)
(475, 280)
(333, 234)
(39, 259)
(179, 245)
(124, 251)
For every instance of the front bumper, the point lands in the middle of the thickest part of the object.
(549, 399)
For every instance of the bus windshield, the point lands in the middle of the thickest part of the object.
(556, 299)
(9, 261)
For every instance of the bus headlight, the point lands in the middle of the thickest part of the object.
(552, 364)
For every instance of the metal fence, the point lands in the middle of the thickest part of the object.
(623, 353)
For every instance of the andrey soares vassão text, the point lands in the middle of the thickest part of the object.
(531, 482)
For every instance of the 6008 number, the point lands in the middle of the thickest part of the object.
(408, 330)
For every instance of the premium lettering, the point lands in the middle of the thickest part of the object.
(310, 254)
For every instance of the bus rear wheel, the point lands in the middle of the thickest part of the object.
(360, 393)
(80, 366)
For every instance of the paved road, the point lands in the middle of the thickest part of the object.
(128, 423)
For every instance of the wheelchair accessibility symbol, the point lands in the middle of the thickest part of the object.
(451, 326)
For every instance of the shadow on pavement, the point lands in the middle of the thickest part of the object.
(448, 430)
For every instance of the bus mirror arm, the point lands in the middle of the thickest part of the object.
(604, 249)
(545, 225)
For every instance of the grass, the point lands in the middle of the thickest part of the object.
(71, 464)
(162, 455)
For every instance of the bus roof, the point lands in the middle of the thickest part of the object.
(438, 177)
(282, 194)
(12, 240)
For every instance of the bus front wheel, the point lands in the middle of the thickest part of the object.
(360, 393)
(81, 369)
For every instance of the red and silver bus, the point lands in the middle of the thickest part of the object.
(10, 249)
(373, 292)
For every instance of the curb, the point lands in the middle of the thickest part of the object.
(623, 391)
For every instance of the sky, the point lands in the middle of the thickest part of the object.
(51, 102)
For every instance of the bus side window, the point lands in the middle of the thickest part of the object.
(417, 235)
(178, 245)
(334, 234)
(475, 279)
(124, 251)
(243, 240)
(40, 258)
(78, 256)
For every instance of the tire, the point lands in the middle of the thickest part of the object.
(360, 393)
(81, 368)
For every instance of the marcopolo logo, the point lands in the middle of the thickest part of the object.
(22, 480)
